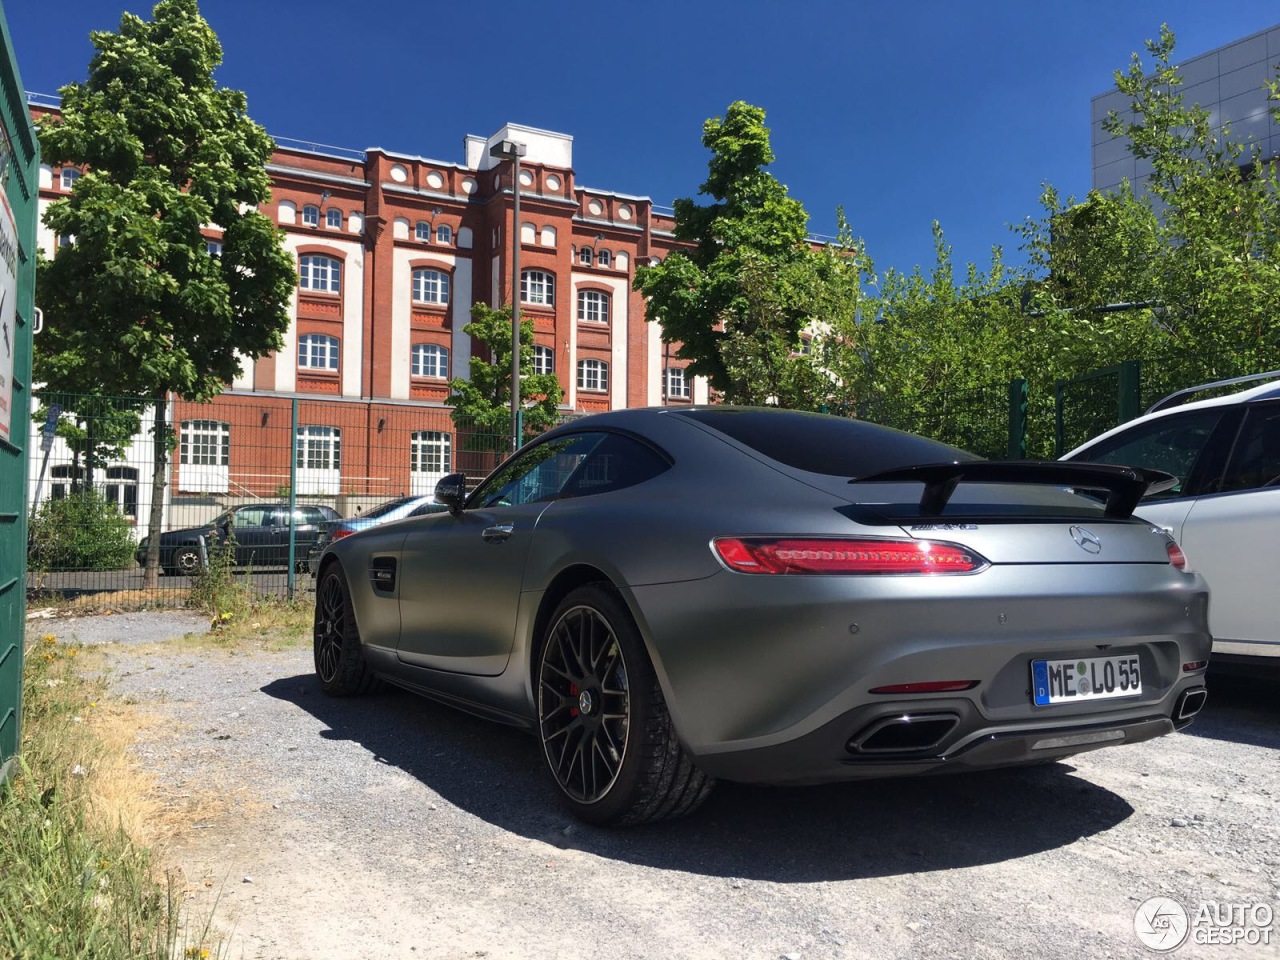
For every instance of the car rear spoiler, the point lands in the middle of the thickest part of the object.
(1124, 486)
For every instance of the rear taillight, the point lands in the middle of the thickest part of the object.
(927, 686)
(844, 555)
(340, 533)
(1176, 556)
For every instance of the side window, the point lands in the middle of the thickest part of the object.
(537, 474)
(615, 463)
(251, 517)
(1255, 462)
(1173, 444)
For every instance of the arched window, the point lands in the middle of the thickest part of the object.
(430, 360)
(318, 272)
(317, 351)
(585, 256)
(593, 306)
(311, 215)
(444, 233)
(422, 231)
(602, 258)
(547, 236)
(333, 218)
(69, 177)
(537, 287)
(430, 286)
(593, 375)
(544, 359)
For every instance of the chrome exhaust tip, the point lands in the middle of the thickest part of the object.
(905, 733)
(1191, 703)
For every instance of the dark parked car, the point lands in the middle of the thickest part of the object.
(261, 532)
(667, 596)
(397, 509)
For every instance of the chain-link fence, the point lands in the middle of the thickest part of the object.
(280, 468)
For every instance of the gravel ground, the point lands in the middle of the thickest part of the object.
(391, 827)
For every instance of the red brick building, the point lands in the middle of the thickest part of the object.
(392, 251)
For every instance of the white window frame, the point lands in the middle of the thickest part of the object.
(538, 287)
(213, 248)
(676, 387)
(430, 360)
(593, 306)
(586, 256)
(544, 359)
(69, 177)
(603, 258)
(444, 234)
(318, 351)
(311, 215)
(430, 460)
(317, 452)
(422, 231)
(430, 285)
(333, 218)
(593, 376)
(204, 456)
(320, 273)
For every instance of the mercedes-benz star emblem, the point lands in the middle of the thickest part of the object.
(1087, 540)
(586, 702)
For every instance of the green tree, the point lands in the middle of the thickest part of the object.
(136, 304)
(736, 292)
(482, 403)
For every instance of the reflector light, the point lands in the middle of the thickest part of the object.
(928, 686)
(340, 533)
(1194, 665)
(1176, 556)
(844, 555)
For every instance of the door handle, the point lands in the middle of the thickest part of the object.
(497, 533)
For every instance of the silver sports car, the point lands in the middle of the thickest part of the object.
(669, 596)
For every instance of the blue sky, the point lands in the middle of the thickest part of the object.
(901, 112)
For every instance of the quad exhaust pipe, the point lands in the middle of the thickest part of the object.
(905, 733)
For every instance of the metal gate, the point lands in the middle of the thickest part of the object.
(19, 170)
(1094, 403)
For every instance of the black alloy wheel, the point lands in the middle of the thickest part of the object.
(339, 659)
(603, 723)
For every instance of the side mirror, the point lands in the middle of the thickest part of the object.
(452, 492)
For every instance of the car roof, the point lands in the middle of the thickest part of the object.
(1263, 391)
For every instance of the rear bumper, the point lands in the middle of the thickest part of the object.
(831, 754)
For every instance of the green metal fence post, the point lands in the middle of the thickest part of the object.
(293, 497)
(1129, 401)
(1017, 419)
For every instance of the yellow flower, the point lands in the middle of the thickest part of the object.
(48, 639)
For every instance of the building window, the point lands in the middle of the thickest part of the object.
(333, 219)
(317, 454)
(122, 490)
(66, 239)
(677, 384)
(422, 231)
(593, 375)
(603, 258)
(317, 272)
(69, 177)
(205, 443)
(430, 286)
(593, 306)
(537, 287)
(430, 360)
(317, 351)
(65, 479)
(213, 248)
(311, 216)
(430, 459)
(585, 256)
(544, 360)
(444, 233)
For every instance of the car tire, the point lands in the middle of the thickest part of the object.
(339, 656)
(186, 560)
(607, 737)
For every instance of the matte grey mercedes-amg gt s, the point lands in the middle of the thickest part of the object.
(668, 596)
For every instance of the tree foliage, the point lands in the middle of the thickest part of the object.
(736, 299)
(136, 304)
(482, 403)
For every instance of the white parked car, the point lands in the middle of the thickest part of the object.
(1225, 508)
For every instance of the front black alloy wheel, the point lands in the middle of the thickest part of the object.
(606, 735)
(339, 657)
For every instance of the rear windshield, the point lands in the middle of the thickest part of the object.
(819, 443)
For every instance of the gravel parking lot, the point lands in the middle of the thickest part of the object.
(392, 827)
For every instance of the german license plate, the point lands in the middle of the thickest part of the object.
(1092, 678)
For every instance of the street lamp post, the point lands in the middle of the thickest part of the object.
(513, 150)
